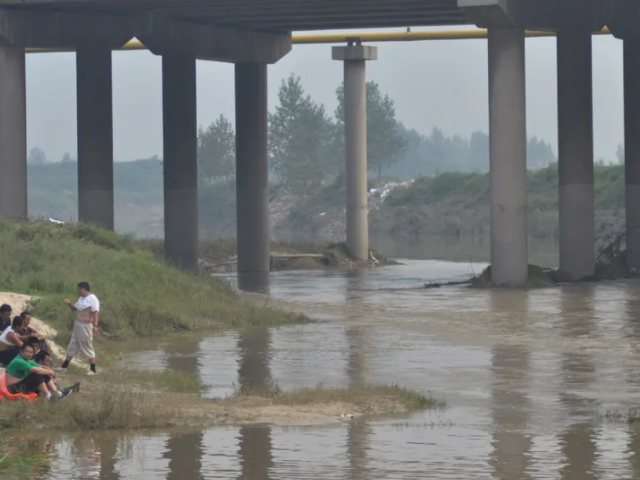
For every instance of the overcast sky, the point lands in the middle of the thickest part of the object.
(433, 83)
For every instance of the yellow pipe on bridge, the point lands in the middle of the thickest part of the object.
(363, 36)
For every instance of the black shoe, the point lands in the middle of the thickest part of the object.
(65, 393)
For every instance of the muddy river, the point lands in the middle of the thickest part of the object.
(528, 377)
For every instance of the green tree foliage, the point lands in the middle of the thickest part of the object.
(37, 156)
(437, 153)
(301, 138)
(216, 152)
(385, 144)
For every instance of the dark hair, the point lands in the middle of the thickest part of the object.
(41, 356)
(84, 286)
(25, 345)
(33, 341)
(4, 308)
(18, 321)
(25, 313)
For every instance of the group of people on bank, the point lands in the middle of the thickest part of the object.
(26, 353)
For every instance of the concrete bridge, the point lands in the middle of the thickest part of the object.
(254, 33)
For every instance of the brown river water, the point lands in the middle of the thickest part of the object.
(528, 377)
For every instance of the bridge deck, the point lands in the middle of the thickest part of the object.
(274, 15)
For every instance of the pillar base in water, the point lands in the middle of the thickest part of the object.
(255, 282)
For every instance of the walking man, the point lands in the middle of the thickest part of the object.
(87, 310)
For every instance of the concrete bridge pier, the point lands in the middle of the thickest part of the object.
(508, 157)
(355, 125)
(632, 147)
(252, 176)
(13, 134)
(180, 163)
(95, 137)
(575, 153)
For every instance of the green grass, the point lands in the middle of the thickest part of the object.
(140, 295)
(112, 408)
(364, 396)
(458, 203)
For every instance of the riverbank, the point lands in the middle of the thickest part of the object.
(105, 405)
(220, 256)
(142, 296)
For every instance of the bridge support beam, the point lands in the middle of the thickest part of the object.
(632, 148)
(252, 176)
(355, 125)
(508, 157)
(575, 154)
(95, 137)
(13, 134)
(180, 162)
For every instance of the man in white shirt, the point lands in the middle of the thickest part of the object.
(87, 310)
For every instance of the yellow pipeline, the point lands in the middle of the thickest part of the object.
(363, 36)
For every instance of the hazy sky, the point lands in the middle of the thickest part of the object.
(441, 83)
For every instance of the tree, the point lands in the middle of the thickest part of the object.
(217, 151)
(620, 154)
(385, 143)
(37, 156)
(301, 138)
(539, 153)
(66, 158)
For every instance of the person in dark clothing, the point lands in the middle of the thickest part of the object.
(5, 316)
(27, 332)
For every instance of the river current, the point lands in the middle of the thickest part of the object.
(528, 376)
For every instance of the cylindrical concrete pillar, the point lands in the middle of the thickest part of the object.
(13, 134)
(95, 137)
(180, 162)
(252, 176)
(508, 157)
(575, 154)
(632, 148)
(355, 132)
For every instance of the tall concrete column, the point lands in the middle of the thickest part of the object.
(575, 154)
(632, 148)
(508, 157)
(13, 134)
(95, 137)
(180, 135)
(252, 176)
(355, 133)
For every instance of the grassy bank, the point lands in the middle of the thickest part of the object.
(113, 407)
(142, 296)
(457, 204)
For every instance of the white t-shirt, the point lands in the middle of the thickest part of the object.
(90, 301)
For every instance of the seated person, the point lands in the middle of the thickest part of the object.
(10, 341)
(5, 316)
(28, 332)
(24, 375)
(43, 358)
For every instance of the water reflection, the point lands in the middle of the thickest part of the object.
(254, 370)
(359, 346)
(509, 401)
(184, 452)
(578, 441)
(108, 448)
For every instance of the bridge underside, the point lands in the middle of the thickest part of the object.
(276, 16)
